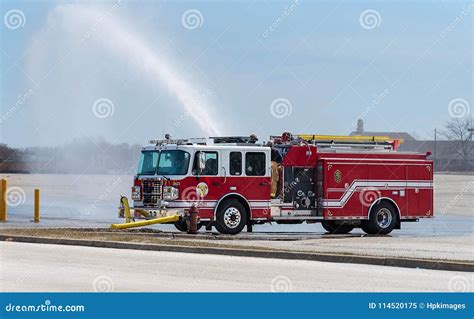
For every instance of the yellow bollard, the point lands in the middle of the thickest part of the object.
(37, 206)
(3, 201)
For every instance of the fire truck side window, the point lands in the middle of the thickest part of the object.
(209, 160)
(254, 164)
(235, 163)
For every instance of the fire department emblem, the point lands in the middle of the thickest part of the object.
(337, 176)
(202, 189)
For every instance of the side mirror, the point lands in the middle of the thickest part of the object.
(225, 174)
(202, 161)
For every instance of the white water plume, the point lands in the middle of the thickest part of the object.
(103, 33)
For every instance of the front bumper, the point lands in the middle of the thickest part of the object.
(139, 212)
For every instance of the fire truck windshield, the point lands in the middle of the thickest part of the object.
(166, 162)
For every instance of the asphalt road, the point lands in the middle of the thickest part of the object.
(36, 267)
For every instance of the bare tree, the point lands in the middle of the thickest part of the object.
(459, 132)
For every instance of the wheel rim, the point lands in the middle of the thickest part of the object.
(384, 218)
(232, 217)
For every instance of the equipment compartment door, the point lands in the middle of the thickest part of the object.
(319, 187)
(419, 190)
(343, 183)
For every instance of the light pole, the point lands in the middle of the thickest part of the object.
(470, 131)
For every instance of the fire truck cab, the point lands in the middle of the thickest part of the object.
(342, 182)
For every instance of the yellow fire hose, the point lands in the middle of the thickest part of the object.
(167, 219)
(129, 224)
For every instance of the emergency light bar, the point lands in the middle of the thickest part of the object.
(169, 141)
(193, 140)
(230, 139)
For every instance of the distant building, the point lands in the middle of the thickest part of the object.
(396, 135)
(444, 152)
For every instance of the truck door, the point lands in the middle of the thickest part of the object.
(257, 180)
(209, 176)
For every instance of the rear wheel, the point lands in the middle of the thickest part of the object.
(231, 217)
(382, 220)
(333, 228)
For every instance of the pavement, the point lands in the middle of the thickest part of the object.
(33, 267)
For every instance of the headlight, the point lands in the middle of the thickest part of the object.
(170, 193)
(136, 193)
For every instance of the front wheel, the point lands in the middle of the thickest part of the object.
(333, 228)
(231, 217)
(382, 220)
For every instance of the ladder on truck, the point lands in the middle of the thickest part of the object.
(352, 142)
(341, 142)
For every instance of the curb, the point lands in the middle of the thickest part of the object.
(322, 257)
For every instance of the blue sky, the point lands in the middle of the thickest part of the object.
(247, 66)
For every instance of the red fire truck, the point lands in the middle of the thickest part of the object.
(343, 182)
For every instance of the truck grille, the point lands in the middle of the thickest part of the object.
(152, 192)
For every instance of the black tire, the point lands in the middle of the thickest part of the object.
(364, 226)
(231, 217)
(382, 220)
(182, 226)
(333, 228)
